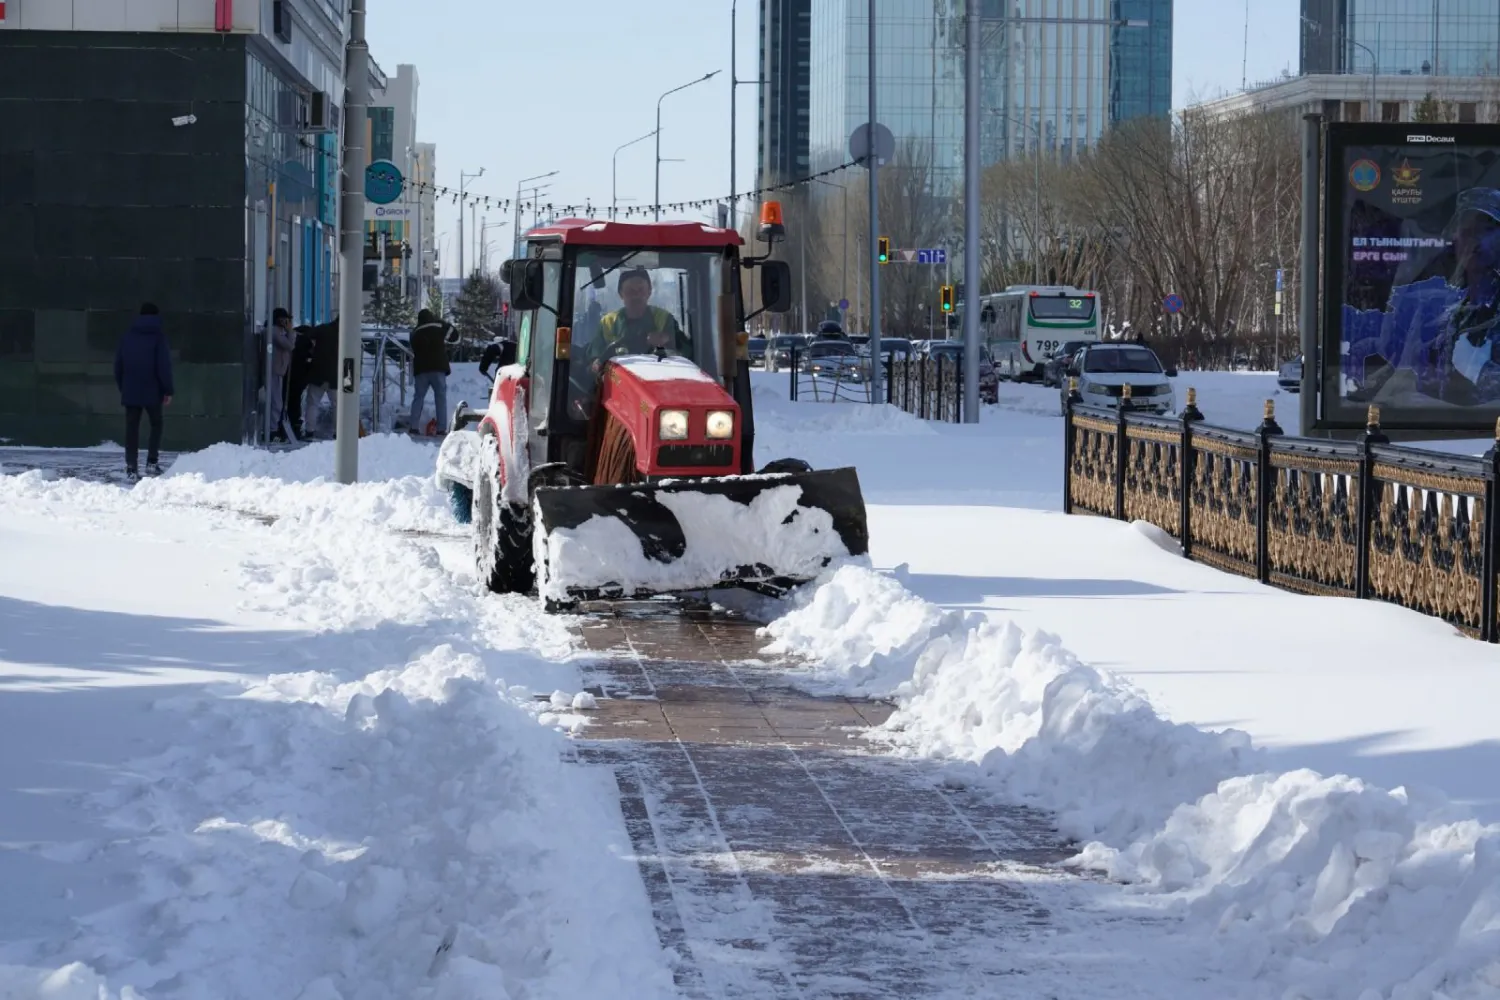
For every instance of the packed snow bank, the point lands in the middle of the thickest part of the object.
(396, 487)
(721, 535)
(1325, 887)
(344, 787)
(381, 456)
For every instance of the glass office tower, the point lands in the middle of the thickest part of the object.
(1407, 37)
(1054, 73)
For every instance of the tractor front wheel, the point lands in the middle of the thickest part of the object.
(502, 530)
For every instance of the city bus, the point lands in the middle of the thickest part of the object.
(1024, 324)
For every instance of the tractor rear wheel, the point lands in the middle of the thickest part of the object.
(502, 530)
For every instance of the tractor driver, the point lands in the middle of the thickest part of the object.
(638, 327)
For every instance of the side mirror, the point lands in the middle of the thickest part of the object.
(1171, 371)
(526, 285)
(776, 286)
(505, 271)
(1072, 371)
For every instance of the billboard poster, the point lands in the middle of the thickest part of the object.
(1411, 276)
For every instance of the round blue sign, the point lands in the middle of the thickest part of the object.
(1172, 303)
(383, 182)
(843, 303)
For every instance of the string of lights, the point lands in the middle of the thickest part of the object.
(589, 208)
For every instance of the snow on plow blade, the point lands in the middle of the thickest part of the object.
(771, 530)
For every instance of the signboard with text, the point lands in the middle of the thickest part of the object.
(1412, 276)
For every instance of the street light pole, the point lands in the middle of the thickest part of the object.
(519, 184)
(352, 231)
(734, 88)
(1374, 72)
(463, 179)
(614, 196)
(872, 162)
(701, 79)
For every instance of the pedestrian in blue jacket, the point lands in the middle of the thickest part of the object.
(143, 371)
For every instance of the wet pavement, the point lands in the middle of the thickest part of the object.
(93, 465)
(783, 855)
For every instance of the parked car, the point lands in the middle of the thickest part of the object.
(1103, 371)
(1054, 371)
(829, 330)
(1289, 377)
(756, 347)
(989, 378)
(832, 359)
(859, 339)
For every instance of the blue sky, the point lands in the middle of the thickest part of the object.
(523, 87)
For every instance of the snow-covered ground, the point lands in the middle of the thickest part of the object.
(296, 759)
(1331, 836)
(260, 736)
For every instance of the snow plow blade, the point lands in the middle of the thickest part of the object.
(767, 532)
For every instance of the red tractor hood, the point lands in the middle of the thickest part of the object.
(637, 388)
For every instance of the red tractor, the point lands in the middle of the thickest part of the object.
(615, 456)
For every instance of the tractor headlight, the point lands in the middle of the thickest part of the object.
(672, 425)
(720, 424)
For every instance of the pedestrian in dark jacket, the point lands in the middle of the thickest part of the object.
(430, 369)
(298, 375)
(323, 371)
(143, 373)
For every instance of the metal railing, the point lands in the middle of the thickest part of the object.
(391, 368)
(831, 379)
(1354, 519)
(927, 387)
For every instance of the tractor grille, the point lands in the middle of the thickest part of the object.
(694, 456)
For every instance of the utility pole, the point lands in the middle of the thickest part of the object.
(971, 218)
(872, 162)
(352, 226)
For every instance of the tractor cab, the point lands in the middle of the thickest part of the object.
(591, 294)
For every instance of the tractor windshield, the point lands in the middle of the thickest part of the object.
(632, 301)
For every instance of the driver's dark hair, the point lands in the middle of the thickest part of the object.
(634, 272)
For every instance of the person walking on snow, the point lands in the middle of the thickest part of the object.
(143, 373)
(430, 369)
(282, 343)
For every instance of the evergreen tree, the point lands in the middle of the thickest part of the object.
(1429, 110)
(474, 311)
(435, 301)
(391, 306)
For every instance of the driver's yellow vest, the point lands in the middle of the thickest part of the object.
(609, 326)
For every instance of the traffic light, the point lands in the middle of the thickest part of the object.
(945, 298)
(885, 249)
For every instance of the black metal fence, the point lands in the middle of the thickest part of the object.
(927, 387)
(1352, 519)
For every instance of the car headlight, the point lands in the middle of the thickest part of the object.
(720, 424)
(1101, 390)
(672, 425)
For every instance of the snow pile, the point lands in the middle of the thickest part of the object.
(374, 805)
(398, 835)
(396, 488)
(381, 456)
(721, 534)
(1325, 886)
